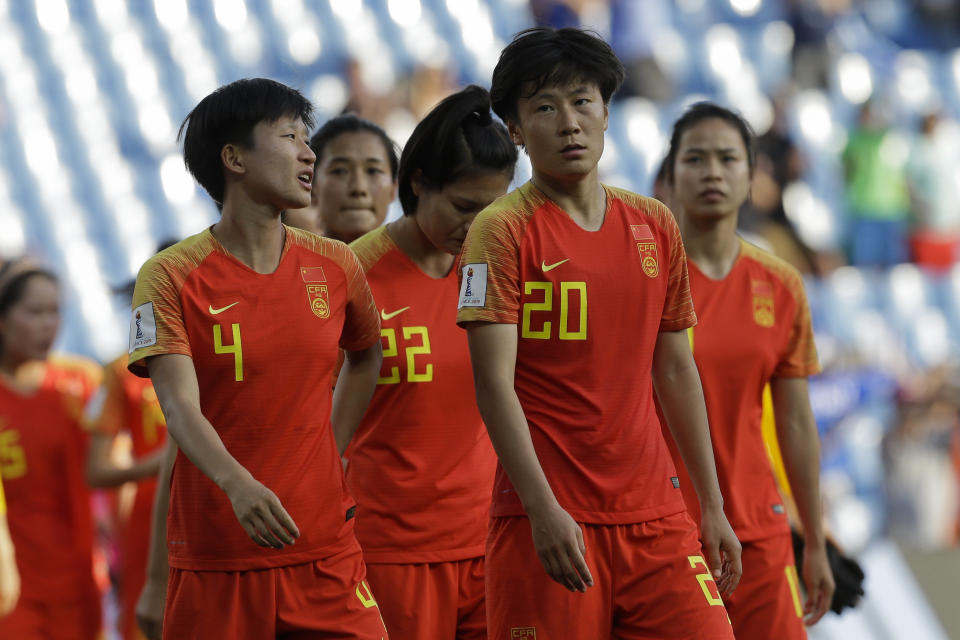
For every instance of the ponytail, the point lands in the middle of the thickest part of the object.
(457, 137)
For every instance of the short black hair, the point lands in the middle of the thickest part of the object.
(699, 112)
(457, 137)
(350, 123)
(228, 116)
(542, 56)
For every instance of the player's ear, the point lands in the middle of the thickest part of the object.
(232, 157)
(606, 115)
(416, 181)
(516, 134)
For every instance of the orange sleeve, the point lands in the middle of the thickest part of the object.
(361, 325)
(156, 325)
(489, 271)
(799, 359)
(3, 500)
(678, 313)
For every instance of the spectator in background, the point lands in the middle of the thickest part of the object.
(932, 174)
(778, 163)
(874, 164)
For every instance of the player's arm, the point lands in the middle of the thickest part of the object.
(9, 575)
(355, 386)
(800, 448)
(257, 508)
(556, 536)
(154, 594)
(677, 384)
(102, 472)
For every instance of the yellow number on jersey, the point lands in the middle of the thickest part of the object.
(422, 349)
(236, 348)
(390, 351)
(529, 307)
(703, 579)
(13, 460)
(544, 333)
(366, 599)
(411, 352)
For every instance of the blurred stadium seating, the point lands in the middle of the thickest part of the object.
(92, 93)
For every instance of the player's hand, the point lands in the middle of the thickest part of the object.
(722, 549)
(150, 606)
(818, 580)
(9, 585)
(259, 511)
(558, 541)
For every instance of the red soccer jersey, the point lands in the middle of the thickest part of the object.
(42, 461)
(264, 347)
(130, 404)
(588, 308)
(754, 326)
(421, 464)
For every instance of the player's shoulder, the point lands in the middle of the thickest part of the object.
(74, 371)
(179, 260)
(781, 271)
(644, 207)
(510, 213)
(371, 247)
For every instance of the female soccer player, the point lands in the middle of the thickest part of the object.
(355, 178)
(575, 300)
(42, 454)
(239, 328)
(754, 329)
(421, 465)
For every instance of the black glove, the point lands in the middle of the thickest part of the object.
(846, 573)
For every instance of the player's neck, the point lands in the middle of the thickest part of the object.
(582, 198)
(411, 240)
(711, 243)
(252, 235)
(19, 375)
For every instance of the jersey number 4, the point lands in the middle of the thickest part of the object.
(236, 349)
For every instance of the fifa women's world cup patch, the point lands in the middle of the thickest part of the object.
(647, 246)
(318, 295)
(473, 286)
(762, 303)
(143, 327)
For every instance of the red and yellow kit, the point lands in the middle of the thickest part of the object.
(421, 464)
(42, 462)
(264, 347)
(129, 404)
(754, 325)
(588, 308)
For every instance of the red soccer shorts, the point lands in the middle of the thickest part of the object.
(650, 581)
(328, 598)
(41, 619)
(440, 601)
(767, 604)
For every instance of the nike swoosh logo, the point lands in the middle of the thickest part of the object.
(550, 267)
(387, 316)
(221, 309)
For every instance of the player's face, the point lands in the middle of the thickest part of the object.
(354, 185)
(30, 325)
(279, 165)
(444, 215)
(711, 170)
(562, 128)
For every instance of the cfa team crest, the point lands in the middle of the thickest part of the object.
(762, 303)
(647, 247)
(523, 632)
(318, 295)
